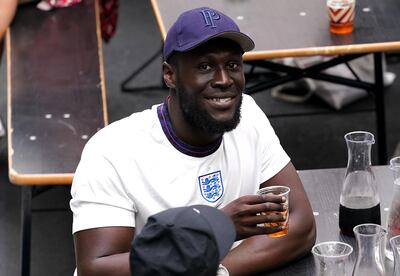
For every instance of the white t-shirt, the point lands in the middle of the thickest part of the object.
(136, 167)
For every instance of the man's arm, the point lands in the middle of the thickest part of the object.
(260, 252)
(103, 251)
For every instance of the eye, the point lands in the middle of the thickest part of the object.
(233, 65)
(204, 67)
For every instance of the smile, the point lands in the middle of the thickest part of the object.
(221, 100)
(221, 103)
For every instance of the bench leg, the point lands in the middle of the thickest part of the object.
(380, 108)
(26, 221)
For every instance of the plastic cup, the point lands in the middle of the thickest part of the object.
(341, 15)
(281, 191)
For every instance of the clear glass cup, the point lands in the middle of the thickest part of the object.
(331, 258)
(395, 243)
(370, 258)
(282, 191)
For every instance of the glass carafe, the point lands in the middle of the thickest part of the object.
(370, 242)
(393, 221)
(359, 200)
(395, 243)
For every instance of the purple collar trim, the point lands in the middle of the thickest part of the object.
(195, 151)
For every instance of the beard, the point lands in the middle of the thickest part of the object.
(201, 119)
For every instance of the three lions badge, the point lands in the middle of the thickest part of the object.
(211, 186)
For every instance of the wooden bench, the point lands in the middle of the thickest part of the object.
(56, 99)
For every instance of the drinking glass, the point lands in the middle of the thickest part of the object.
(370, 241)
(330, 257)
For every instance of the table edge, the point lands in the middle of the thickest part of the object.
(325, 50)
(40, 179)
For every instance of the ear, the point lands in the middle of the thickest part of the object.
(169, 75)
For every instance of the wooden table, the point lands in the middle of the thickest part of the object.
(56, 99)
(294, 28)
(323, 188)
(289, 28)
(56, 91)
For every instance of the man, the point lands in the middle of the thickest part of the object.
(207, 144)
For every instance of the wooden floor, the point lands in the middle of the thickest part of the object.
(313, 141)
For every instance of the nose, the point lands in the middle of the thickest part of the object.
(222, 79)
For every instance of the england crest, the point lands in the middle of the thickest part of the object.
(211, 186)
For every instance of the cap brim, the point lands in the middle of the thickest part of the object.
(243, 40)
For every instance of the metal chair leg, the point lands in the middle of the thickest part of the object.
(124, 84)
(26, 222)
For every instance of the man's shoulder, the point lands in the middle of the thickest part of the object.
(253, 123)
(248, 100)
(249, 106)
(251, 113)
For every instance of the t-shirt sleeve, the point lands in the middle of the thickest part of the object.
(99, 198)
(273, 156)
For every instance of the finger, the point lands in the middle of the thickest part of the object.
(268, 206)
(266, 217)
(271, 217)
(252, 199)
(256, 199)
(273, 198)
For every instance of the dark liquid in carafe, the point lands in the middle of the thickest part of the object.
(349, 218)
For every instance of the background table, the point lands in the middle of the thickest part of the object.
(56, 99)
(297, 27)
(293, 28)
(323, 188)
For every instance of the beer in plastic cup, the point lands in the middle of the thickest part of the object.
(282, 191)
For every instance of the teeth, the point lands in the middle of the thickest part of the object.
(221, 100)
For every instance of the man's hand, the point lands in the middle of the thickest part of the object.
(261, 252)
(248, 211)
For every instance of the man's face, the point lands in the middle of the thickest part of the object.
(209, 85)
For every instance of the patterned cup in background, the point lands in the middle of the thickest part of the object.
(341, 15)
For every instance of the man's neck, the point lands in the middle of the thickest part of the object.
(178, 143)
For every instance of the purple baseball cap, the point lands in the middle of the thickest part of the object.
(199, 25)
